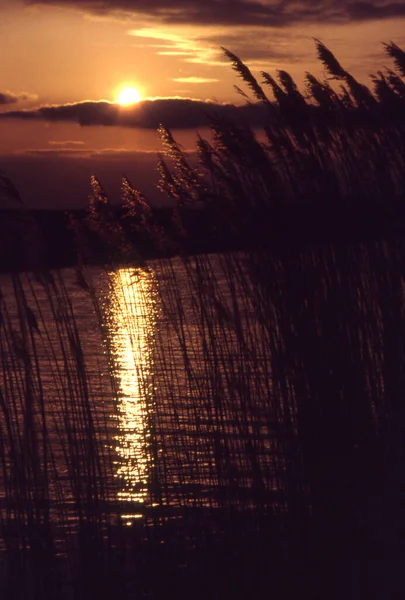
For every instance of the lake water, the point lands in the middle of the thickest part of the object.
(136, 388)
(237, 410)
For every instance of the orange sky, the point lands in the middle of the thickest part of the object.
(69, 51)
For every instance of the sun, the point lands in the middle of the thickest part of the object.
(129, 95)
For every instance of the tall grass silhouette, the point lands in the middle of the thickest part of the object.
(273, 383)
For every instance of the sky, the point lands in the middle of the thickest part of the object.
(64, 64)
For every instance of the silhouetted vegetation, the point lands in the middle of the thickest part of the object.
(272, 393)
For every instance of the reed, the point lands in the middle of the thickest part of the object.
(267, 422)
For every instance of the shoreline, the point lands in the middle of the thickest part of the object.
(32, 239)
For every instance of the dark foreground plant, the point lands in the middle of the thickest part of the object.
(268, 383)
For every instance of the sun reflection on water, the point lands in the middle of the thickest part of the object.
(133, 314)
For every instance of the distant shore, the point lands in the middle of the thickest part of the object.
(279, 230)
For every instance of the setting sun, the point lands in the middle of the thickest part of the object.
(128, 95)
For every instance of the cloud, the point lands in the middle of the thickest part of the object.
(52, 152)
(85, 153)
(202, 46)
(274, 13)
(195, 80)
(257, 46)
(174, 113)
(11, 98)
(179, 42)
(365, 11)
(174, 53)
(7, 98)
(67, 143)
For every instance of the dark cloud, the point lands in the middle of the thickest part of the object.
(174, 113)
(10, 98)
(360, 11)
(279, 47)
(7, 98)
(275, 13)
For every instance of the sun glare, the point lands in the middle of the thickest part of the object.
(128, 95)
